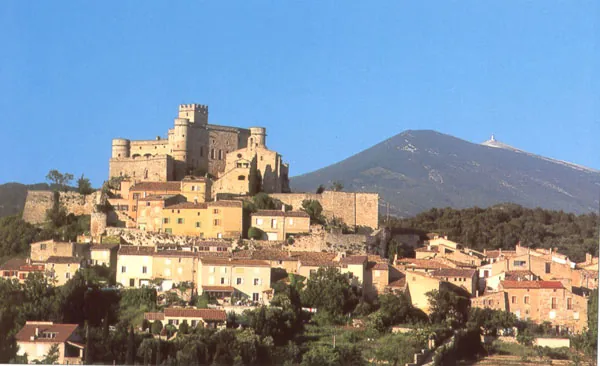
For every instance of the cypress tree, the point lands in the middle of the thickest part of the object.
(130, 358)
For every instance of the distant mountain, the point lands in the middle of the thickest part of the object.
(12, 196)
(418, 170)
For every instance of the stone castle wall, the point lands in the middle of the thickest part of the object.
(38, 202)
(154, 168)
(360, 209)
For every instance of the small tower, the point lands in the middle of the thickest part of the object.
(120, 148)
(258, 137)
(179, 145)
(195, 113)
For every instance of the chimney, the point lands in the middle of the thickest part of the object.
(485, 252)
(588, 258)
(37, 332)
(395, 258)
(429, 247)
(476, 293)
(283, 207)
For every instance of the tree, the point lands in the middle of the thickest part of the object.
(184, 328)
(263, 201)
(84, 186)
(314, 209)
(157, 327)
(320, 189)
(394, 309)
(52, 356)
(131, 351)
(340, 299)
(337, 186)
(448, 306)
(61, 180)
(255, 233)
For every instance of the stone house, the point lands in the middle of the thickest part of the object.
(134, 265)
(466, 279)
(249, 278)
(37, 337)
(149, 214)
(278, 225)
(42, 250)
(174, 267)
(355, 266)
(104, 255)
(490, 300)
(420, 265)
(541, 301)
(377, 276)
(418, 284)
(220, 219)
(19, 269)
(203, 318)
(62, 269)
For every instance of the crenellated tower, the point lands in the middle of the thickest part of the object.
(195, 113)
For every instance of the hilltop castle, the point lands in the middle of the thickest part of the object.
(237, 159)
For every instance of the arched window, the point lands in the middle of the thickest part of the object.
(146, 174)
(135, 156)
(242, 177)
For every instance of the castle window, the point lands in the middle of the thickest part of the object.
(201, 151)
(220, 154)
(239, 155)
(242, 177)
(212, 154)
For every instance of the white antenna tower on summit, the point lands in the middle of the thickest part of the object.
(493, 138)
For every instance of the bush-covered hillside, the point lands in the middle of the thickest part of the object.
(502, 226)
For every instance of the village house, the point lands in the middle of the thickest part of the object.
(247, 278)
(149, 215)
(174, 267)
(36, 338)
(490, 300)
(19, 269)
(220, 219)
(134, 265)
(541, 301)
(466, 279)
(61, 269)
(203, 318)
(42, 250)
(420, 265)
(279, 225)
(104, 255)
(418, 284)
(377, 277)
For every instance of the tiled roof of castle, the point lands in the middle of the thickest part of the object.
(234, 262)
(63, 260)
(205, 314)
(136, 250)
(267, 213)
(454, 272)
(156, 186)
(532, 284)
(63, 332)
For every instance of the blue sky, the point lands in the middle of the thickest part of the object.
(327, 79)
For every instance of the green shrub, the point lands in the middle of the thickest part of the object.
(255, 233)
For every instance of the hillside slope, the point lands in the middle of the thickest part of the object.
(418, 170)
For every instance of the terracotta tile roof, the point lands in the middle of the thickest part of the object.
(187, 206)
(510, 275)
(154, 316)
(266, 254)
(31, 268)
(13, 264)
(381, 266)
(266, 213)
(136, 250)
(354, 259)
(454, 272)
(218, 288)
(204, 314)
(225, 203)
(235, 262)
(103, 246)
(175, 253)
(496, 253)
(532, 284)
(63, 260)
(156, 186)
(425, 249)
(63, 332)
(421, 263)
(156, 197)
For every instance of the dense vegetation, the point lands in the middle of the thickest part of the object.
(503, 226)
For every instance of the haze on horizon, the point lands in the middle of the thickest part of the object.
(327, 82)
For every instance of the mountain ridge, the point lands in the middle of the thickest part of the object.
(416, 170)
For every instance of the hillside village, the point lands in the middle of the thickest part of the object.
(207, 212)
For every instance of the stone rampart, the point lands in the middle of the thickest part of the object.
(38, 202)
(354, 208)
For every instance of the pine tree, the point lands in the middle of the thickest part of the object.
(130, 358)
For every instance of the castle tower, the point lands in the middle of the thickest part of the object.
(258, 137)
(195, 113)
(181, 136)
(120, 148)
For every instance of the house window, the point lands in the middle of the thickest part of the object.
(223, 269)
(215, 211)
(180, 221)
(256, 281)
(291, 221)
(239, 281)
(255, 297)
(569, 303)
(197, 223)
(519, 263)
(166, 220)
(168, 230)
(526, 300)
(131, 282)
(259, 221)
(147, 203)
(67, 275)
(211, 269)
(274, 223)
(514, 300)
(144, 269)
(217, 222)
(42, 246)
(241, 177)
(222, 280)
(123, 269)
(548, 266)
(554, 303)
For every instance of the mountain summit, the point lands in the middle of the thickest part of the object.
(418, 170)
